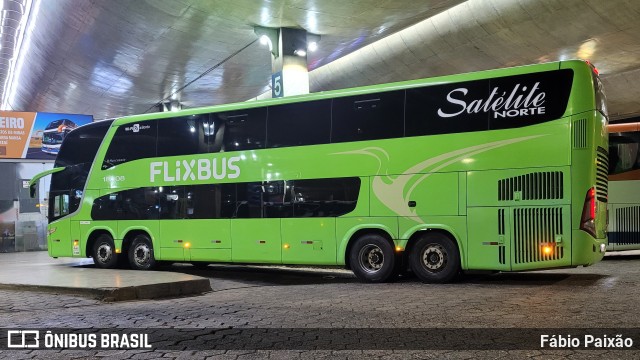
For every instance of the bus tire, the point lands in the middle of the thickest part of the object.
(141, 253)
(435, 258)
(104, 252)
(372, 259)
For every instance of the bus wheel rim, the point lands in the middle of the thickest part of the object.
(371, 258)
(104, 253)
(141, 254)
(434, 257)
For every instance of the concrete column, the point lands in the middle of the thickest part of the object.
(289, 73)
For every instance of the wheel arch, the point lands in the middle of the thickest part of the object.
(93, 235)
(131, 234)
(356, 233)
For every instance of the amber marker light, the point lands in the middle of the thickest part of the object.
(118, 251)
(187, 245)
(286, 246)
(547, 250)
(398, 248)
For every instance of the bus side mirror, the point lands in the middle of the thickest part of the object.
(32, 190)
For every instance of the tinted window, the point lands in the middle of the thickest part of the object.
(368, 117)
(261, 200)
(488, 104)
(183, 135)
(248, 200)
(58, 204)
(242, 130)
(276, 200)
(324, 197)
(421, 116)
(624, 152)
(76, 155)
(132, 142)
(194, 202)
(134, 204)
(299, 124)
(81, 145)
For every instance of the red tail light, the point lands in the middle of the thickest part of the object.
(587, 222)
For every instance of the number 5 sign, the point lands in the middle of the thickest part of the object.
(276, 85)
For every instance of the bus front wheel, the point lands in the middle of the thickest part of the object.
(372, 259)
(435, 258)
(104, 253)
(141, 253)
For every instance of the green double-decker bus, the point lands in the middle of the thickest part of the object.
(499, 170)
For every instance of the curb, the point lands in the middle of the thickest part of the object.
(127, 293)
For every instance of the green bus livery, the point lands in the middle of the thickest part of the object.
(624, 186)
(501, 170)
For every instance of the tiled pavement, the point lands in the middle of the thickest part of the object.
(602, 296)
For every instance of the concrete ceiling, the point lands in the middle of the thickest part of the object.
(111, 58)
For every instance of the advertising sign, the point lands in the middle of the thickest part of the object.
(28, 135)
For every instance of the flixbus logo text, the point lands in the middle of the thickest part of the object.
(200, 169)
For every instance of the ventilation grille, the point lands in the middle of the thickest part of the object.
(501, 222)
(580, 134)
(534, 228)
(501, 255)
(602, 175)
(533, 186)
(627, 226)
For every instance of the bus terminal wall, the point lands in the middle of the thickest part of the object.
(23, 220)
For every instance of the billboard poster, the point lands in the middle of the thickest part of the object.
(29, 135)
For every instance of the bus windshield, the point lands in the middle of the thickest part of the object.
(52, 138)
(76, 155)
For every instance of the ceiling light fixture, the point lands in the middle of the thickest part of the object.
(21, 47)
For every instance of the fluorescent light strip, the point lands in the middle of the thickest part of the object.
(23, 44)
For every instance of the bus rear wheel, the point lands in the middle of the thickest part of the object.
(435, 258)
(104, 252)
(141, 253)
(372, 259)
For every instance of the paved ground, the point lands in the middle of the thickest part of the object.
(602, 296)
(37, 271)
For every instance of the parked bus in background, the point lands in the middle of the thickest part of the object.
(624, 186)
(496, 170)
(54, 133)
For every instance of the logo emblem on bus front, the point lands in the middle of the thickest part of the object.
(136, 127)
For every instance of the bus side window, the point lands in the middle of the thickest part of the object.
(132, 142)
(324, 197)
(60, 206)
(184, 135)
(368, 117)
(243, 129)
(276, 200)
(297, 124)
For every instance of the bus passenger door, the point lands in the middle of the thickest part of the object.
(59, 231)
